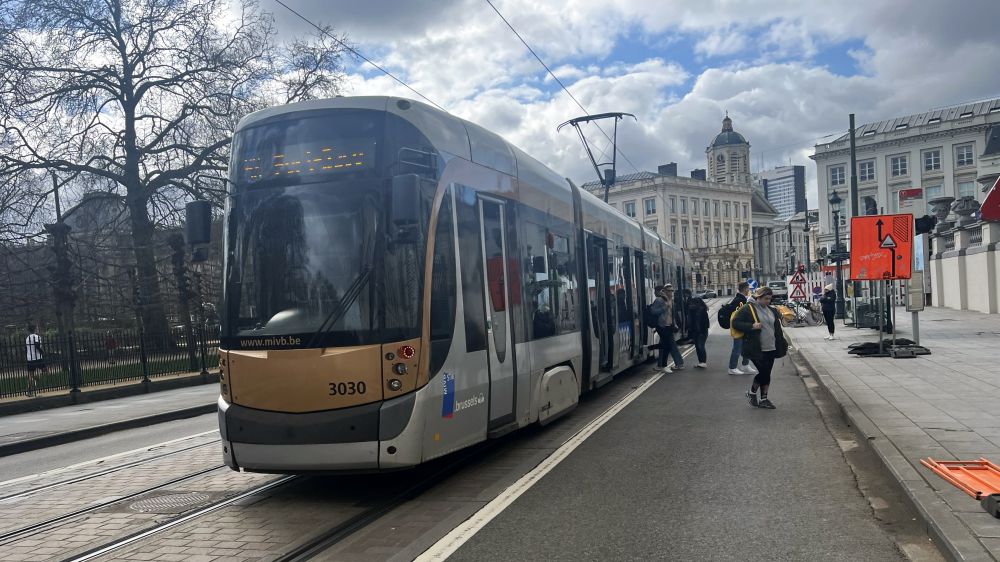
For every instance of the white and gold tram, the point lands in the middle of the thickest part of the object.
(400, 283)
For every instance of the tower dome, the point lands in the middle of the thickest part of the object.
(728, 136)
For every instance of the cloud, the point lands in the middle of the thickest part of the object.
(461, 55)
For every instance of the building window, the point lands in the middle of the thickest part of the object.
(963, 155)
(746, 211)
(715, 208)
(684, 205)
(706, 207)
(966, 188)
(932, 160)
(673, 234)
(629, 207)
(694, 207)
(866, 170)
(837, 175)
(673, 204)
(736, 210)
(725, 209)
(930, 192)
(718, 237)
(707, 240)
(649, 205)
(898, 165)
(684, 236)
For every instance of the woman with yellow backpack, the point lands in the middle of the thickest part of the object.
(726, 312)
(763, 342)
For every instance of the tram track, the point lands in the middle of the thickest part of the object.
(105, 472)
(215, 506)
(28, 530)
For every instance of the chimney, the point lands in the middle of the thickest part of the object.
(667, 169)
(698, 173)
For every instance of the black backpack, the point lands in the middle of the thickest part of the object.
(725, 312)
(649, 317)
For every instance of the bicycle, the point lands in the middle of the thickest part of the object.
(805, 314)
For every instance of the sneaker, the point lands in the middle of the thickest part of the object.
(666, 370)
(749, 369)
(828, 338)
(678, 367)
(752, 398)
(832, 337)
(765, 403)
(702, 365)
(735, 372)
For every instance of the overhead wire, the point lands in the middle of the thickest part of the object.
(359, 55)
(558, 81)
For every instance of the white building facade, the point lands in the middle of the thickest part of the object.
(905, 162)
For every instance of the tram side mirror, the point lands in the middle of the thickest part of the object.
(198, 228)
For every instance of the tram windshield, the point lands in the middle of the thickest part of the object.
(312, 259)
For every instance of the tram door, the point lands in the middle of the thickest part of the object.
(498, 324)
(600, 306)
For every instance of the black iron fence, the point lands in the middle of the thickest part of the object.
(91, 358)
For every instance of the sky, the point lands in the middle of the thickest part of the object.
(788, 71)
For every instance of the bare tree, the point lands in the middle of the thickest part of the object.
(144, 95)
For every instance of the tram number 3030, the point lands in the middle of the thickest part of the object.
(347, 388)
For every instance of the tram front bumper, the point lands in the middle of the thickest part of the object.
(346, 439)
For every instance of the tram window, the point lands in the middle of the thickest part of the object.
(471, 254)
(443, 289)
(538, 284)
(563, 272)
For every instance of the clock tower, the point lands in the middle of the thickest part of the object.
(728, 157)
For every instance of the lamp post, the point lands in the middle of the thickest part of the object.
(805, 239)
(835, 202)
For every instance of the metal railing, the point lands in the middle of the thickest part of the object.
(949, 241)
(976, 236)
(93, 358)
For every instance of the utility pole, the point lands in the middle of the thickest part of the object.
(854, 168)
(791, 254)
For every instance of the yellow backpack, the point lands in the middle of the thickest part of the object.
(736, 334)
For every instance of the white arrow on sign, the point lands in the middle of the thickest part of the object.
(888, 242)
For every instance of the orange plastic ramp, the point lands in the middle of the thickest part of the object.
(979, 478)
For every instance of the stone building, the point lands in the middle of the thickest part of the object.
(711, 218)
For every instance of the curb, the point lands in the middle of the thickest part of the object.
(954, 540)
(23, 446)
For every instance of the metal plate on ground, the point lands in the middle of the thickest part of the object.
(171, 503)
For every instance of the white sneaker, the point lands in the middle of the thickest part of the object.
(736, 372)
(702, 365)
(832, 337)
(828, 338)
(667, 370)
(749, 369)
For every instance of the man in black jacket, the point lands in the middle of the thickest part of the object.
(697, 326)
(829, 303)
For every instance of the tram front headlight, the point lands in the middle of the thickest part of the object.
(399, 368)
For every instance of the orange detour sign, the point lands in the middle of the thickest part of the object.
(881, 247)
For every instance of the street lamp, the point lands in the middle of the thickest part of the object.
(838, 257)
(805, 239)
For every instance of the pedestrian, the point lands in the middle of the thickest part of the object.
(36, 363)
(110, 345)
(739, 365)
(666, 326)
(697, 323)
(829, 304)
(763, 342)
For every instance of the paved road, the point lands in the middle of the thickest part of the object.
(32, 462)
(690, 472)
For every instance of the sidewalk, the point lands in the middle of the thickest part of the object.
(26, 432)
(942, 405)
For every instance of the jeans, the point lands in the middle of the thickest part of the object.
(734, 357)
(828, 316)
(699, 346)
(668, 346)
(765, 365)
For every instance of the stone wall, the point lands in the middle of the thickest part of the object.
(965, 271)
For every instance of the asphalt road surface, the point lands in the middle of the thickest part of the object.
(689, 471)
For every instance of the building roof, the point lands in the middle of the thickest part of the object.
(625, 178)
(932, 117)
(728, 136)
(760, 205)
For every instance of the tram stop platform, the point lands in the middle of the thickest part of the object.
(30, 431)
(941, 406)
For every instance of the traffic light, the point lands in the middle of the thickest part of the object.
(924, 224)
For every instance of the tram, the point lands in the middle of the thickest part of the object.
(400, 283)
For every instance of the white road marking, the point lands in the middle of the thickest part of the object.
(104, 459)
(451, 542)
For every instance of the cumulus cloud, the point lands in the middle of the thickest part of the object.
(461, 55)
